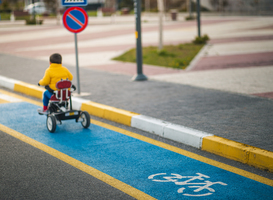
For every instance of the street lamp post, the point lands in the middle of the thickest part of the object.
(140, 76)
(198, 18)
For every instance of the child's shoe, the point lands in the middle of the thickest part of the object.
(42, 111)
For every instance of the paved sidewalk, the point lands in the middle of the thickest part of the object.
(227, 91)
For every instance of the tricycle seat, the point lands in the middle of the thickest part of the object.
(63, 93)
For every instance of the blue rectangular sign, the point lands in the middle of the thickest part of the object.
(74, 2)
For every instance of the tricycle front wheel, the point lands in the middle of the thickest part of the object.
(51, 123)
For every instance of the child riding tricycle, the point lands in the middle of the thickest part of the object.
(57, 103)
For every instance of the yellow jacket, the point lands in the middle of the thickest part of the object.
(55, 73)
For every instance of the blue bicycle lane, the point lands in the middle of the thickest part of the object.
(156, 171)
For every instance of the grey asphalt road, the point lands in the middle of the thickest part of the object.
(29, 173)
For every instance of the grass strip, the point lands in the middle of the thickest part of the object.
(173, 56)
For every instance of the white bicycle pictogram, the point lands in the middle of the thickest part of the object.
(191, 182)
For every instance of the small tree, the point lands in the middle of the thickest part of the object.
(12, 5)
(5, 5)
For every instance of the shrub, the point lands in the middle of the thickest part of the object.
(201, 40)
(189, 18)
(33, 22)
(165, 53)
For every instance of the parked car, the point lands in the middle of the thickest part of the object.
(39, 8)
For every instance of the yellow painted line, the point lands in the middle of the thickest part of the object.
(239, 152)
(108, 112)
(9, 98)
(79, 165)
(22, 98)
(4, 101)
(188, 154)
(171, 148)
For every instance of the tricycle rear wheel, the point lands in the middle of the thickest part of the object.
(86, 119)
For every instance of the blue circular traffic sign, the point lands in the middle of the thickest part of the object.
(75, 19)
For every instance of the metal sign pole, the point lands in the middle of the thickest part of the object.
(77, 64)
(140, 76)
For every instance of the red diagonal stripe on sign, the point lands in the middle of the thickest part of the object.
(75, 20)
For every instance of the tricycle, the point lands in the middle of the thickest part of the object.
(60, 107)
